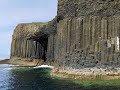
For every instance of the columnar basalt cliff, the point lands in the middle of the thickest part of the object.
(88, 33)
(84, 34)
(31, 42)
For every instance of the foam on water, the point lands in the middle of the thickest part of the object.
(44, 66)
(5, 67)
(10, 67)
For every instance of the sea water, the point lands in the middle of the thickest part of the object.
(29, 78)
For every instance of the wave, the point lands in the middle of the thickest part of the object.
(10, 67)
(44, 66)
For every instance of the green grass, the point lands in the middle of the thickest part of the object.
(95, 84)
(98, 82)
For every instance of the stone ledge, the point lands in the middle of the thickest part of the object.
(87, 73)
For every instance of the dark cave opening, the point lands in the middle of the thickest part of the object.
(44, 43)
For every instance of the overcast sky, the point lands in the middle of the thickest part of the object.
(13, 12)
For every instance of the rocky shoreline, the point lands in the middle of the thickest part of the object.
(94, 73)
(25, 61)
(87, 73)
(22, 62)
(5, 61)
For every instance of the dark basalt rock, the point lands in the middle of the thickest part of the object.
(85, 33)
(77, 8)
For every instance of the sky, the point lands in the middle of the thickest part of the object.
(13, 12)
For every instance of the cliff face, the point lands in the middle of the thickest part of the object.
(30, 43)
(88, 41)
(85, 33)
(88, 33)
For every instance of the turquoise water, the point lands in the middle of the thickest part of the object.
(21, 78)
(31, 79)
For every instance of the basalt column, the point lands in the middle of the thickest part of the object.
(26, 47)
(88, 33)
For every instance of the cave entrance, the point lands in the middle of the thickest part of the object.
(44, 43)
